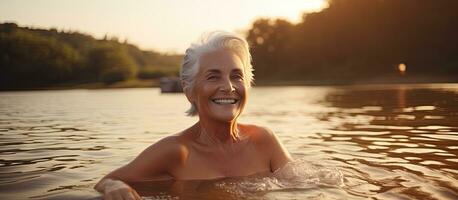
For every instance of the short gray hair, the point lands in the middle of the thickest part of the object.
(208, 43)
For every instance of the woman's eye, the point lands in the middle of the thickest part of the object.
(211, 78)
(237, 77)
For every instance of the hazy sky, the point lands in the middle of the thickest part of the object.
(162, 25)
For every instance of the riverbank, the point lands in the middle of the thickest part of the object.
(133, 83)
(368, 81)
(148, 83)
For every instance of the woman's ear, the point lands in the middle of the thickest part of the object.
(186, 90)
(189, 94)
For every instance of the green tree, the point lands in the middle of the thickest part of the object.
(111, 63)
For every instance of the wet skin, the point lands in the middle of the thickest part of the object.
(216, 146)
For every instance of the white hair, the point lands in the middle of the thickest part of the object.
(210, 42)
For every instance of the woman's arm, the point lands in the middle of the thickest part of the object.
(279, 154)
(156, 160)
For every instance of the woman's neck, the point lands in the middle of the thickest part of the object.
(217, 132)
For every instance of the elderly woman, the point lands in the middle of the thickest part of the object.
(216, 77)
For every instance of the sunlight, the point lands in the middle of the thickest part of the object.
(294, 9)
(167, 26)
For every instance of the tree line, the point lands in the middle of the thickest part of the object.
(355, 40)
(350, 41)
(34, 58)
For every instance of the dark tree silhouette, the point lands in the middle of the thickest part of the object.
(355, 40)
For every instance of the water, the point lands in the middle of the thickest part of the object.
(352, 142)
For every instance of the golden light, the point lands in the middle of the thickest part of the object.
(292, 10)
(402, 68)
(156, 25)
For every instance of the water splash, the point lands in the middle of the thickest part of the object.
(295, 175)
(301, 172)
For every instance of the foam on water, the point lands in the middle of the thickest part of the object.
(301, 172)
(298, 174)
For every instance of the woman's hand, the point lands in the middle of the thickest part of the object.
(116, 189)
(154, 161)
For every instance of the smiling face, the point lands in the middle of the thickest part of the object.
(220, 91)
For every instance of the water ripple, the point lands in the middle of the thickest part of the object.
(378, 142)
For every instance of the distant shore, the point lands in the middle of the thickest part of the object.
(154, 83)
(133, 83)
(369, 81)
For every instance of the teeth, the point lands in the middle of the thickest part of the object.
(224, 101)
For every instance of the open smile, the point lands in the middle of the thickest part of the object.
(224, 101)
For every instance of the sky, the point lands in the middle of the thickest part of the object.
(168, 26)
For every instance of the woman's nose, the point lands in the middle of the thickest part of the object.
(227, 86)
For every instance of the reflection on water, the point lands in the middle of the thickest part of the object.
(382, 142)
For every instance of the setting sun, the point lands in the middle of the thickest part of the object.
(293, 10)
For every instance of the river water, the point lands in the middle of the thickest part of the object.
(349, 142)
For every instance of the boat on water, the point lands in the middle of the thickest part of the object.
(170, 85)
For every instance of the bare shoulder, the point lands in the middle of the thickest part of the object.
(172, 147)
(155, 161)
(266, 139)
(168, 152)
(168, 145)
(259, 134)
